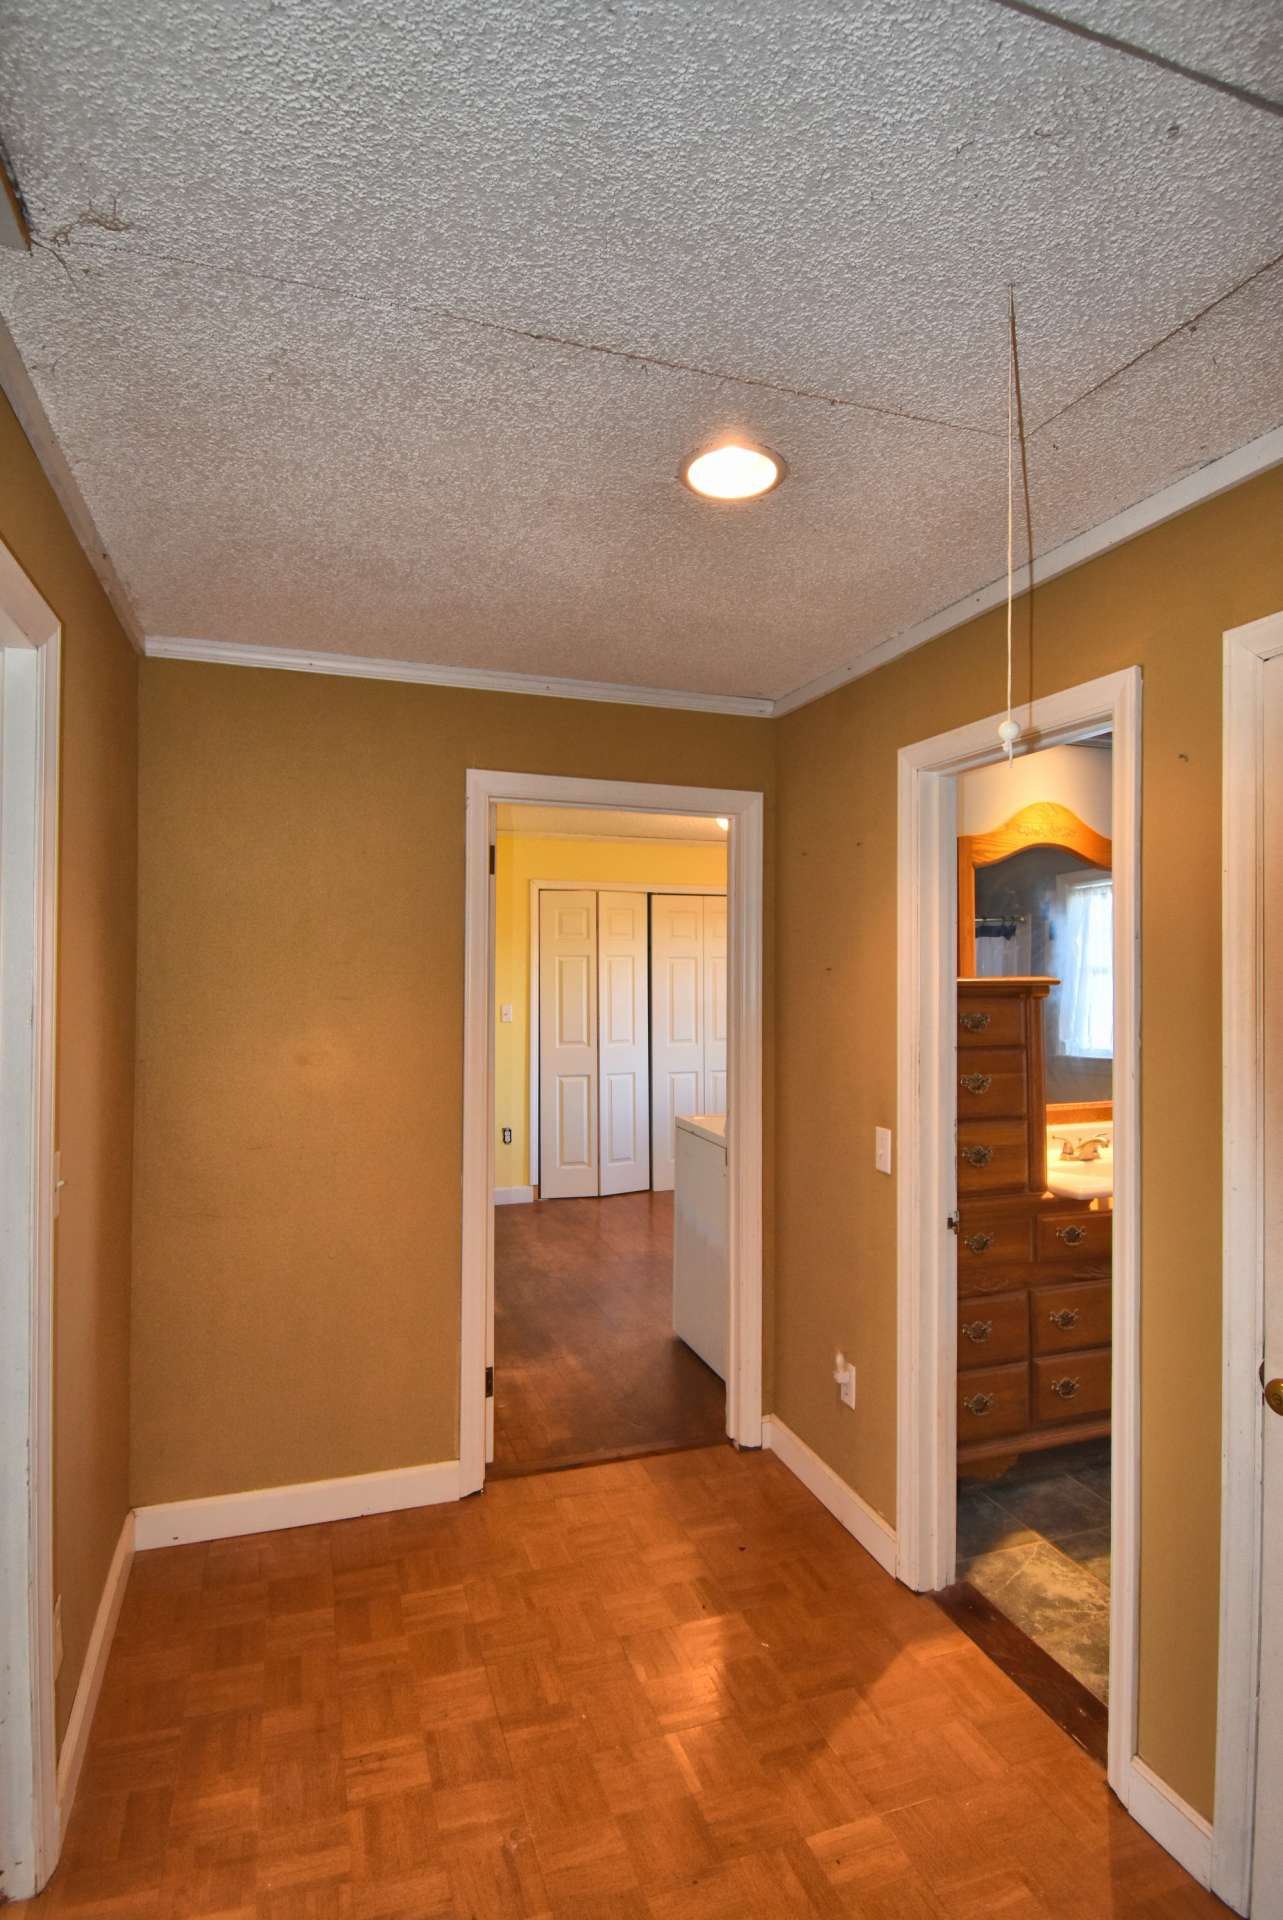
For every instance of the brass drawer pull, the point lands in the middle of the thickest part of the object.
(1072, 1236)
(977, 1156)
(978, 1242)
(977, 1331)
(979, 1404)
(976, 1082)
(1065, 1389)
(1066, 1318)
(974, 1022)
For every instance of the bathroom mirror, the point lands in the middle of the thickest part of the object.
(1036, 898)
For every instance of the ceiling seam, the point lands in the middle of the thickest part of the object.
(1111, 41)
(1184, 327)
(535, 336)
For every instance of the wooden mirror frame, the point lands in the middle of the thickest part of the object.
(1044, 823)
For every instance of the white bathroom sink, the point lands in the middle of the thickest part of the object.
(1080, 1179)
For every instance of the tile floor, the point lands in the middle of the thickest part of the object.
(1036, 1543)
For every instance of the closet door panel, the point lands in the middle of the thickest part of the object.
(623, 1049)
(715, 1029)
(568, 1076)
(677, 1023)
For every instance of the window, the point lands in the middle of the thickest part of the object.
(1087, 968)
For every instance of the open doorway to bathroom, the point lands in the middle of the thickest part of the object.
(1035, 1133)
(610, 1074)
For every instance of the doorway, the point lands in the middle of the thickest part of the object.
(488, 1178)
(1035, 1018)
(934, 1194)
(610, 930)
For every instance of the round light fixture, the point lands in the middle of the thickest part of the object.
(733, 471)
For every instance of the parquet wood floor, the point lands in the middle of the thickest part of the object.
(587, 1365)
(670, 1689)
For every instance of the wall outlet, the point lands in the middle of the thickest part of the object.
(507, 1136)
(505, 1010)
(882, 1149)
(57, 1636)
(844, 1375)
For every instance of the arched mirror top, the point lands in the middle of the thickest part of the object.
(1043, 823)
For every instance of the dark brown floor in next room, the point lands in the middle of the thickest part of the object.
(587, 1366)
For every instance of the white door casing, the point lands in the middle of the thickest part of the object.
(715, 1012)
(676, 1024)
(30, 1791)
(623, 1049)
(1267, 1863)
(568, 1100)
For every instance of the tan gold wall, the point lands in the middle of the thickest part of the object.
(1162, 602)
(300, 1041)
(97, 923)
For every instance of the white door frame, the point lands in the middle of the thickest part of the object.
(561, 886)
(926, 1109)
(31, 638)
(487, 790)
(1243, 1249)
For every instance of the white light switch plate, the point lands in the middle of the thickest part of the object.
(882, 1149)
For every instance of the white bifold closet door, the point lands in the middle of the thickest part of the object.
(678, 1022)
(623, 1051)
(568, 1097)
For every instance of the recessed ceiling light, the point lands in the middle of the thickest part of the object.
(733, 471)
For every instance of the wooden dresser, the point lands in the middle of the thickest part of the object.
(1034, 1313)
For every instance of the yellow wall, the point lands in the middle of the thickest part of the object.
(301, 880)
(95, 1090)
(519, 859)
(1161, 601)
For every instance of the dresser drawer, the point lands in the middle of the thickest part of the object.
(990, 1020)
(991, 1081)
(993, 1156)
(1071, 1385)
(992, 1401)
(991, 1328)
(1078, 1314)
(993, 1240)
(1075, 1236)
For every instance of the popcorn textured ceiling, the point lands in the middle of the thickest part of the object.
(383, 328)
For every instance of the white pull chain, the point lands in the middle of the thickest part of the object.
(1009, 731)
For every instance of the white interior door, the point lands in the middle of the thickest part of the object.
(1267, 1865)
(567, 1045)
(676, 1023)
(714, 1004)
(623, 1051)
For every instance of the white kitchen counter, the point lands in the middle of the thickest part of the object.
(701, 1273)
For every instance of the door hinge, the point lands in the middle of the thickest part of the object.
(492, 859)
(489, 1383)
(953, 1222)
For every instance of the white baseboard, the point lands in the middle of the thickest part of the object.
(75, 1741)
(268, 1509)
(513, 1196)
(1186, 1835)
(843, 1502)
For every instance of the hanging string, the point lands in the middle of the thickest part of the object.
(1009, 731)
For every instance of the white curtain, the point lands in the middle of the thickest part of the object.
(1087, 969)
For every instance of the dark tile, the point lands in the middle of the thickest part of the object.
(1091, 1550)
(1055, 1507)
(984, 1526)
(1056, 1602)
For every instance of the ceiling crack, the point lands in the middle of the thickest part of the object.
(1185, 326)
(1244, 95)
(543, 337)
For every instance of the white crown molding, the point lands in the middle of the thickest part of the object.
(1218, 476)
(32, 418)
(229, 653)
